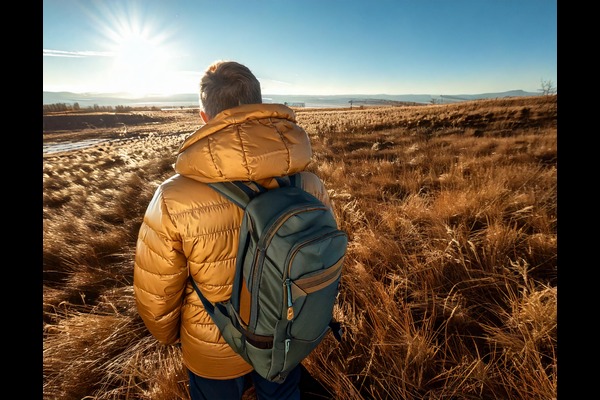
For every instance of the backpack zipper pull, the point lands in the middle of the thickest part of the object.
(290, 311)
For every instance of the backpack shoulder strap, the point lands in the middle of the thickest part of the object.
(241, 193)
(210, 308)
(290, 180)
(217, 312)
(237, 191)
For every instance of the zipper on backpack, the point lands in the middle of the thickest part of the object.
(324, 278)
(310, 284)
(255, 277)
(268, 236)
(290, 261)
(290, 310)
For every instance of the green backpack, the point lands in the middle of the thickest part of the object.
(288, 270)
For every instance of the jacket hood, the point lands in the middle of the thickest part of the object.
(248, 142)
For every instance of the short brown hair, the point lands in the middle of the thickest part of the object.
(228, 84)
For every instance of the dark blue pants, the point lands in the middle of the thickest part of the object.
(233, 389)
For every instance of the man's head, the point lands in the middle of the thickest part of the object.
(227, 84)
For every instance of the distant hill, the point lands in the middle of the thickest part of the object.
(191, 99)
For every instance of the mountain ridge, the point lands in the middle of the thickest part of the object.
(191, 99)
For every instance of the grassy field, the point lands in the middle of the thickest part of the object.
(449, 288)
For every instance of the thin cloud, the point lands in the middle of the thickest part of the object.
(273, 81)
(76, 54)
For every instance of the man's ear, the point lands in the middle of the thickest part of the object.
(204, 116)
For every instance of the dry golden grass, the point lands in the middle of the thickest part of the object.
(450, 283)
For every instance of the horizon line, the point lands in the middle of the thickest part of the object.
(278, 94)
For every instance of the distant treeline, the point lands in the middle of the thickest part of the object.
(64, 107)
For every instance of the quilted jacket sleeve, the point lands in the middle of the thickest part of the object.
(160, 272)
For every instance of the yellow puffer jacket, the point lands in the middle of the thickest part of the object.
(189, 229)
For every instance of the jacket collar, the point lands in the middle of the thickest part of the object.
(238, 115)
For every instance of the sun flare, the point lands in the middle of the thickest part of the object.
(140, 64)
(142, 53)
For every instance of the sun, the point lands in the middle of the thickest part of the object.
(140, 64)
(142, 55)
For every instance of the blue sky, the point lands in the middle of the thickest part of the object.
(318, 47)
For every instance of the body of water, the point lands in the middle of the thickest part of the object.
(67, 146)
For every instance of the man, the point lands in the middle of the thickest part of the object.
(191, 230)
